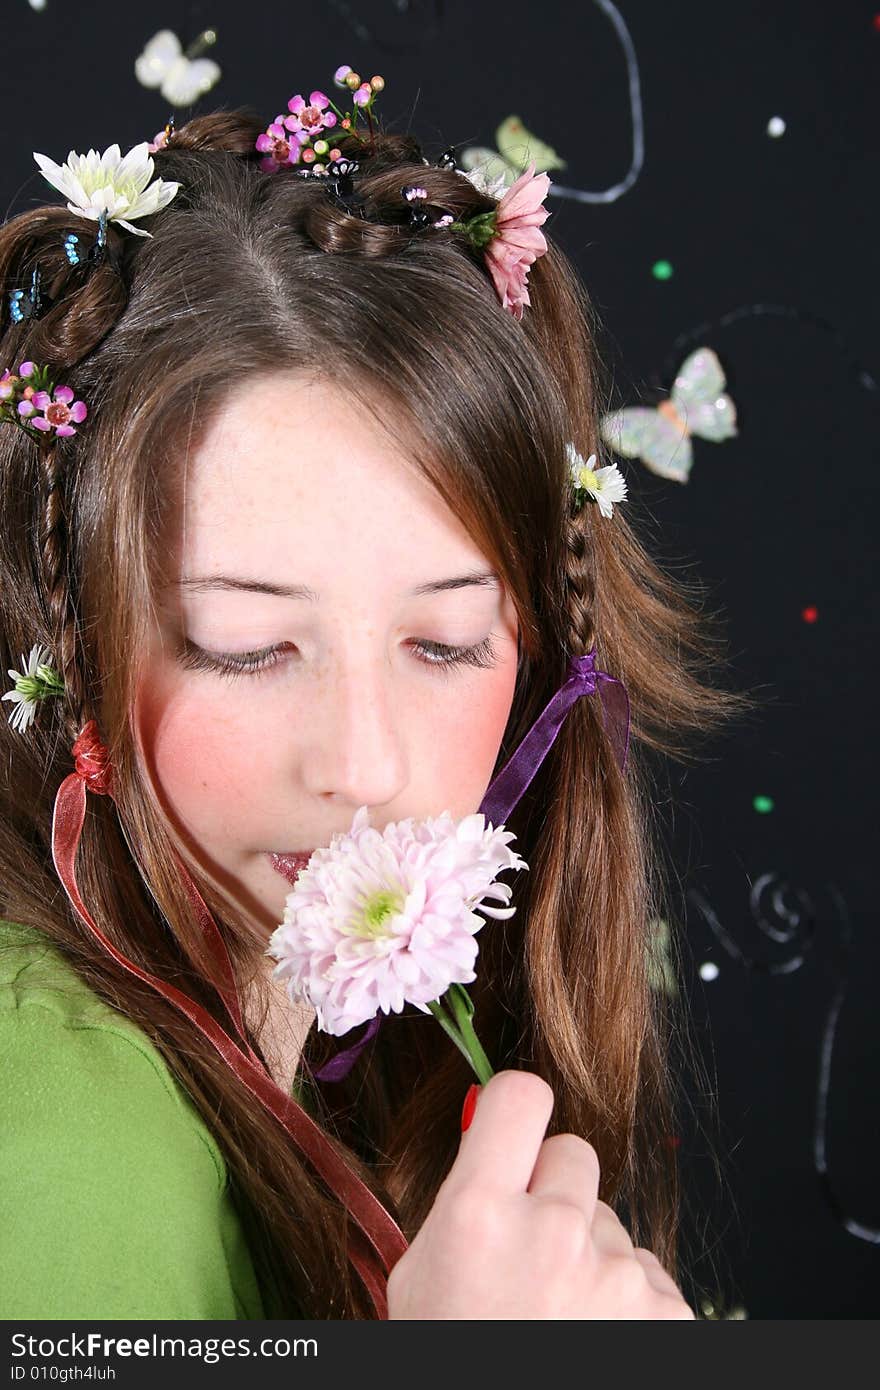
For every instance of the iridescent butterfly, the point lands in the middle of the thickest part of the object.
(661, 435)
(517, 149)
(181, 77)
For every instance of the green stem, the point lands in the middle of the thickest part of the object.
(461, 1031)
(341, 114)
(463, 1009)
(448, 1027)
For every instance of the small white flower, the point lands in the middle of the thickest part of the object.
(33, 683)
(384, 918)
(111, 183)
(604, 485)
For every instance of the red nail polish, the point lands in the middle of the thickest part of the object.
(470, 1105)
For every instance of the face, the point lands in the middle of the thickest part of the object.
(266, 718)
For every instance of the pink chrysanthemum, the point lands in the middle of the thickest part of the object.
(517, 242)
(384, 918)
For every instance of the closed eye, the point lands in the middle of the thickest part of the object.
(434, 654)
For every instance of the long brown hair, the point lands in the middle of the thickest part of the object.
(249, 273)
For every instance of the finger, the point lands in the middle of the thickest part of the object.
(657, 1275)
(500, 1148)
(567, 1168)
(609, 1233)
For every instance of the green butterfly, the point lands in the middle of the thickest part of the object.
(661, 972)
(661, 435)
(517, 149)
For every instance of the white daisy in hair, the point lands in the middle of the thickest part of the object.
(604, 485)
(38, 680)
(110, 182)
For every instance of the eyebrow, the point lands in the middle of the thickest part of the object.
(209, 583)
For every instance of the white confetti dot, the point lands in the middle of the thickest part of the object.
(776, 127)
(708, 970)
(37, 4)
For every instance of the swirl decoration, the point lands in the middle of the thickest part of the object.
(790, 918)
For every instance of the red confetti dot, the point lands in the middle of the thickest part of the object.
(810, 615)
(877, 22)
(673, 1141)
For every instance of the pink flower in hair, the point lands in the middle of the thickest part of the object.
(161, 138)
(309, 118)
(58, 410)
(279, 147)
(517, 242)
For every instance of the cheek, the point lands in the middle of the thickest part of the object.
(471, 743)
(205, 770)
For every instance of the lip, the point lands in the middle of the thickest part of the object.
(290, 865)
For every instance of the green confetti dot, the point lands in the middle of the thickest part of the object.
(763, 804)
(661, 270)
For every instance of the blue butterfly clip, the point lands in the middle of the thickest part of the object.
(96, 251)
(28, 304)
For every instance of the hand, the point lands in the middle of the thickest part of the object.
(517, 1230)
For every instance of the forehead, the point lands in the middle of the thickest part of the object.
(294, 478)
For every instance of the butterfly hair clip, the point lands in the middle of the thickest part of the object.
(421, 212)
(661, 435)
(448, 160)
(340, 184)
(31, 303)
(96, 252)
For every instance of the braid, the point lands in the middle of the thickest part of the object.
(580, 581)
(81, 305)
(60, 613)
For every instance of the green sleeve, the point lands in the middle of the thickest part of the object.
(113, 1199)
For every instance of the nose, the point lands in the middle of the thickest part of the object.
(358, 754)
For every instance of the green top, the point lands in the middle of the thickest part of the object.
(114, 1198)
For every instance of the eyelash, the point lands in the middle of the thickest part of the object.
(253, 663)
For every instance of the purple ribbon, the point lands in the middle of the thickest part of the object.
(520, 768)
(517, 774)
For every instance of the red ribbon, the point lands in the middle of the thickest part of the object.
(377, 1242)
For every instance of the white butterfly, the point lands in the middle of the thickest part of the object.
(492, 171)
(661, 435)
(181, 78)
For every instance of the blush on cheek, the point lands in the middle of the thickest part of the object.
(204, 769)
(471, 746)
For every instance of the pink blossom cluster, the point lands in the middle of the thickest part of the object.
(298, 138)
(37, 407)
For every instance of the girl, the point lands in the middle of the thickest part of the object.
(314, 547)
